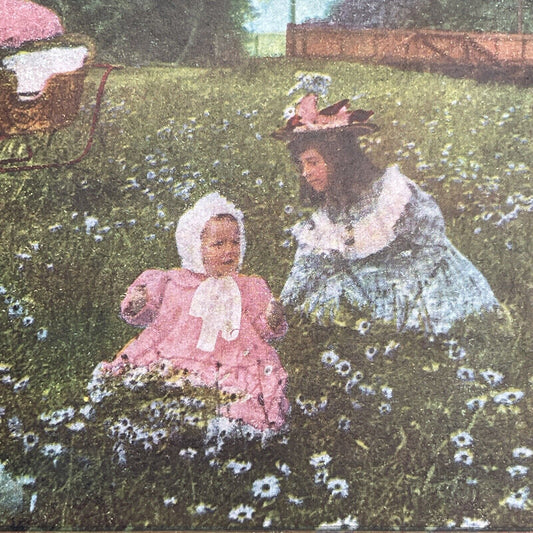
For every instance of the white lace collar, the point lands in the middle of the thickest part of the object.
(358, 236)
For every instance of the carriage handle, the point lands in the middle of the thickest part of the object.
(88, 145)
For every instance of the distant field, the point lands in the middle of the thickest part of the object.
(266, 44)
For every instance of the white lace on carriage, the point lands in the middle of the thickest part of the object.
(34, 69)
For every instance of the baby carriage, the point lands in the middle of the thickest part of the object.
(27, 108)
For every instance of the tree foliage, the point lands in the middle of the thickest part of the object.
(474, 15)
(139, 31)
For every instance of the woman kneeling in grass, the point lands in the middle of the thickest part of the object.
(376, 240)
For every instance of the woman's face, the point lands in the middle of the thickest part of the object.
(314, 169)
(221, 246)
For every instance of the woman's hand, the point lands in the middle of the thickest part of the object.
(275, 315)
(137, 301)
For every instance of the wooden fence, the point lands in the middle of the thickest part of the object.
(411, 48)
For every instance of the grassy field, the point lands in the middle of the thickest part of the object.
(388, 430)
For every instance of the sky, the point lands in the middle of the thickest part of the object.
(274, 14)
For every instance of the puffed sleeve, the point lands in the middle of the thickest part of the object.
(257, 298)
(152, 283)
(422, 222)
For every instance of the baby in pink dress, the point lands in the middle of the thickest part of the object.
(210, 320)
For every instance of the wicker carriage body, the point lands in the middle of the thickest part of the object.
(57, 104)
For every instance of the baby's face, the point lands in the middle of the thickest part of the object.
(221, 246)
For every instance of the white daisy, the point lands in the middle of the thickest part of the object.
(363, 326)
(267, 487)
(474, 523)
(518, 499)
(509, 397)
(387, 392)
(329, 358)
(344, 423)
(462, 439)
(241, 513)
(456, 352)
(52, 450)
(522, 453)
(385, 408)
(320, 460)
(367, 390)
(371, 352)
(170, 501)
(29, 440)
(517, 470)
(492, 377)
(188, 453)
(76, 426)
(338, 487)
(203, 508)
(466, 374)
(349, 523)
(475, 404)
(284, 468)
(391, 348)
(294, 499)
(463, 456)
(343, 367)
(353, 381)
(321, 476)
(239, 467)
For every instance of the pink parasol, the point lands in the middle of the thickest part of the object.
(22, 21)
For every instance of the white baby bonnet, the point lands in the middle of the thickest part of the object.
(217, 301)
(192, 223)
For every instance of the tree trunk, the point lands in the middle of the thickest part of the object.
(194, 30)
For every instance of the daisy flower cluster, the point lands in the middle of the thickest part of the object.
(336, 486)
(19, 309)
(519, 472)
(486, 183)
(362, 392)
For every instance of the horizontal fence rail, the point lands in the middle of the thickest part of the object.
(410, 47)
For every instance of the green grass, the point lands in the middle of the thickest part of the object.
(73, 239)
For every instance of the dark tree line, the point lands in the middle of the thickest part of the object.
(199, 32)
(203, 32)
(510, 16)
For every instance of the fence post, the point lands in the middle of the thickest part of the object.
(292, 12)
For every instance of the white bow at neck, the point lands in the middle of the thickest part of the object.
(217, 301)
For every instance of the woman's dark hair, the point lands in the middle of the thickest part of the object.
(351, 172)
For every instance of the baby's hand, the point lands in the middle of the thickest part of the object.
(137, 301)
(274, 314)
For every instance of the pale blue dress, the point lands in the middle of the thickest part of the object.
(388, 255)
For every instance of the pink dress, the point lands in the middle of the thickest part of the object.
(247, 364)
